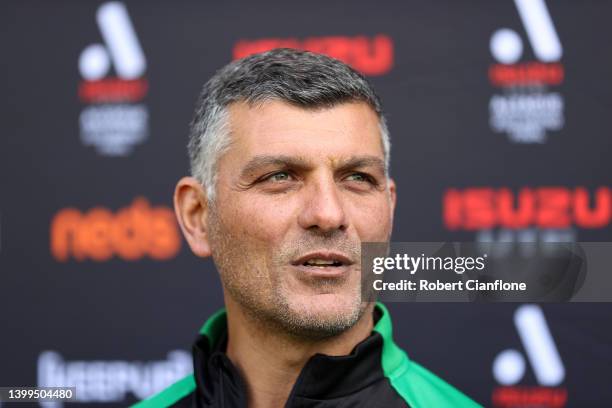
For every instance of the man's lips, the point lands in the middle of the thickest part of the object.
(323, 264)
(323, 258)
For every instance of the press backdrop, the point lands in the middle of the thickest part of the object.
(487, 101)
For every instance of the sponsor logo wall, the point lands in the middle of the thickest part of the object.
(500, 125)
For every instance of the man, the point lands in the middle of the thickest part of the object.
(290, 155)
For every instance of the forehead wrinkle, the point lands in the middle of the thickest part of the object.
(260, 161)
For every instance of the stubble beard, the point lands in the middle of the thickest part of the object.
(261, 294)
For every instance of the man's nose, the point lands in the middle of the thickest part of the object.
(323, 207)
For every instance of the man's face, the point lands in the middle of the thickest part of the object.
(297, 192)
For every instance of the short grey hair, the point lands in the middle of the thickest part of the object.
(300, 78)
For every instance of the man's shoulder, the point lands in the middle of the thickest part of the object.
(419, 387)
(170, 395)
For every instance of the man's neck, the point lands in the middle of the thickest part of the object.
(271, 362)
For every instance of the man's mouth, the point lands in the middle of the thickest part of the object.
(324, 263)
(321, 263)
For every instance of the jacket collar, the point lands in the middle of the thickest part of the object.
(323, 377)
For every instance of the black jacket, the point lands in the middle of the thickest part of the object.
(377, 373)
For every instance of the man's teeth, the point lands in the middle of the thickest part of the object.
(322, 262)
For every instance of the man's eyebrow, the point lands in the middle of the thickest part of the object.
(362, 161)
(261, 161)
(298, 162)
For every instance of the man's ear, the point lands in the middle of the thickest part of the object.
(392, 197)
(191, 208)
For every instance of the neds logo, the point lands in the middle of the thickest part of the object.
(131, 233)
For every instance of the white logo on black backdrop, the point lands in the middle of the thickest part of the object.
(115, 119)
(509, 365)
(110, 381)
(527, 109)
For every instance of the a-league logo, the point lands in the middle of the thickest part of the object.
(115, 119)
(526, 110)
(506, 45)
(122, 46)
(509, 367)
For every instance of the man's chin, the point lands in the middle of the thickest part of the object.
(321, 315)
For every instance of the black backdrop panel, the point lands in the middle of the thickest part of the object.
(479, 95)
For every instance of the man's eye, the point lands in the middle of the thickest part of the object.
(359, 177)
(278, 176)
